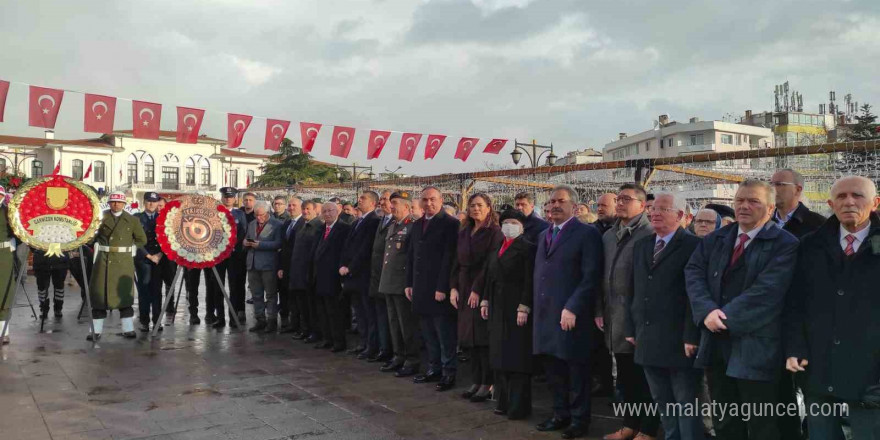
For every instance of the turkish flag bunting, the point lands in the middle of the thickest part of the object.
(341, 141)
(57, 169)
(465, 146)
(378, 139)
(88, 172)
(189, 121)
(44, 106)
(238, 124)
(408, 144)
(495, 146)
(309, 132)
(276, 129)
(99, 114)
(146, 117)
(4, 89)
(434, 142)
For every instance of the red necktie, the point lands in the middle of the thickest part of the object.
(738, 250)
(326, 232)
(849, 245)
(504, 246)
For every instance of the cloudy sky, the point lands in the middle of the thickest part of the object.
(574, 73)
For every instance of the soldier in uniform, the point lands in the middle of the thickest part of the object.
(235, 264)
(50, 269)
(151, 265)
(7, 270)
(392, 283)
(112, 283)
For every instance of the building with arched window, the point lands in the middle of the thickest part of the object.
(120, 161)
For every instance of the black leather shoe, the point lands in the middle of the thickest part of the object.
(249, 301)
(356, 350)
(500, 412)
(390, 367)
(447, 383)
(194, 320)
(364, 355)
(89, 337)
(382, 356)
(144, 327)
(553, 424)
(337, 349)
(430, 376)
(129, 335)
(323, 345)
(576, 430)
(311, 339)
(406, 371)
(219, 324)
(259, 326)
(477, 398)
(210, 319)
(299, 336)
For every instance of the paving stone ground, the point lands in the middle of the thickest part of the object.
(193, 382)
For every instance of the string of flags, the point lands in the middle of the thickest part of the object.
(100, 113)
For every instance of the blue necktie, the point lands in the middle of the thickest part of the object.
(556, 230)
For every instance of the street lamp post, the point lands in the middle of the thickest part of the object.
(535, 155)
(356, 172)
(15, 161)
(392, 174)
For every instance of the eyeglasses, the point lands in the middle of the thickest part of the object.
(623, 200)
(656, 209)
(775, 184)
(704, 222)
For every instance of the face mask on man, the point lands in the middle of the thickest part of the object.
(511, 230)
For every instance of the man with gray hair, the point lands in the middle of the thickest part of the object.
(790, 213)
(736, 282)
(262, 241)
(663, 331)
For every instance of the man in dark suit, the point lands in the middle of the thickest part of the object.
(300, 276)
(736, 281)
(797, 219)
(263, 239)
(287, 306)
(431, 251)
(378, 298)
(600, 356)
(235, 264)
(327, 279)
(148, 266)
(568, 275)
(524, 202)
(663, 330)
(832, 335)
(354, 267)
(605, 212)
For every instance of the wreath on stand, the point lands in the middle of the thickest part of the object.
(196, 231)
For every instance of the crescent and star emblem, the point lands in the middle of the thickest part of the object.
(141, 115)
(236, 124)
(280, 130)
(311, 132)
(340, 138)
(40, 102)
(95, 106)
(187, 117)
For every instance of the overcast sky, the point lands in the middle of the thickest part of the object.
(574, 73)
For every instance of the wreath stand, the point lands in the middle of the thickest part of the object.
(178, 282)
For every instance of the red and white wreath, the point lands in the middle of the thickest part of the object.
(196, 231)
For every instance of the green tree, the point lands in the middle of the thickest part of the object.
(290, 166)
(866, 126)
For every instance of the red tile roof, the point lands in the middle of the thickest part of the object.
(236, 153)
(42, 142)
(173, 134)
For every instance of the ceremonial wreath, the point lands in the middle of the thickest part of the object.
(196, 231)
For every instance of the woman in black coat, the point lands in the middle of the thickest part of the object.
(478, 236)
(507, 303)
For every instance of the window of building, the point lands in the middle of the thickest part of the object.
(98, 171)
(233, 178)
(190, 172)
(250, 176)
(727, 139)
(170, 178)
(648, 146)
(2, 166)
(149, 169)
(77, 172)
(205, 173)
(37, 168)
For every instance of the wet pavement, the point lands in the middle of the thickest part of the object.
(193, 382)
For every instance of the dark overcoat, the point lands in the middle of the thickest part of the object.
(430, 256)
(468, 270)
(302, 253)
(357, 253)
(325, 263)
(394, 264)
(754, 317)
(111, 285)
(802, 221)
(831, 313)
(378, 254)
(508, 287)
(568, 275)
(288, 242)
(7, 263)
(660, 313)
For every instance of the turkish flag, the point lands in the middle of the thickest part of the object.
(44, 106)
(408, 144)
(189, 121)
(88, 172)
(309, 132)
(4, 89)
(465, 146)
(341, 141)
(146, 117)
(378, 139)
(276, 129)
(99, 114)
(495, 146)
(57, 168)
(434, 142)
(238, 124)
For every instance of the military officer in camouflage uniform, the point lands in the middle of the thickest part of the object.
(111, 285)
(7, 258)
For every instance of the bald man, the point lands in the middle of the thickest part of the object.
(605, 207)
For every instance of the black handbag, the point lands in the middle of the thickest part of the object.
(871, 397)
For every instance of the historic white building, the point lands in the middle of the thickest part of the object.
(121, 162)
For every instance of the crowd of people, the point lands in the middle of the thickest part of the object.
(753, 301)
